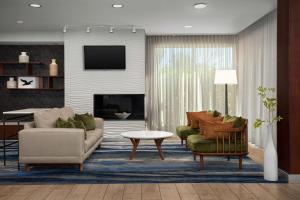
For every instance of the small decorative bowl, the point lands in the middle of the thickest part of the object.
(123, 115)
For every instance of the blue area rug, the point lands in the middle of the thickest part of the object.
(110, 164)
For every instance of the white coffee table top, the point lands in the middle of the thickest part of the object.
(147, 134)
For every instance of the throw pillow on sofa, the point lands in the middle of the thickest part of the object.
(61, 123)
(239, 122)
(190, 116)
(78, 124)
(204, 116)
(210, 132)
(87, 119)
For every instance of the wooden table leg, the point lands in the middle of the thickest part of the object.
(158, 143)
(135, 143)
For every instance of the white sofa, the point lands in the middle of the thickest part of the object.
(41, 143)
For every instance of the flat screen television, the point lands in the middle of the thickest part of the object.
(104, 57)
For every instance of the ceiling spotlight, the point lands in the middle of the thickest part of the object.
(134, 29)
(64, 29)
(200, 5)
(117, 5)
(111, 29)
(88, 29)
(188, 26)
(35, 5)
(20, 22)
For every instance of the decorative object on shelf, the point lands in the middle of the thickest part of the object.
(28, 82)
(23, 58)
(225, 77)
(123, 115)
(53, 67)
(11, 83)
(270, 151)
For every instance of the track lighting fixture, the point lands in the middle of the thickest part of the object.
(88, 29)
(133, 29)
(111, 29)
(64, 29)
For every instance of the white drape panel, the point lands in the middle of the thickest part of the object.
(256, 67)
(180, 77)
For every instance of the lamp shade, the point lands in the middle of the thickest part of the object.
(227, 76)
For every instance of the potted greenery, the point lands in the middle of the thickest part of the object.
(270, 152)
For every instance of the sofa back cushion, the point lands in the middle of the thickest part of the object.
(46, 118)
(66, 113)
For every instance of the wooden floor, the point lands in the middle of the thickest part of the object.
(198, 191)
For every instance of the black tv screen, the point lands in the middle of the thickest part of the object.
(104, 57)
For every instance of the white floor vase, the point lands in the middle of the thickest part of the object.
(270, 157)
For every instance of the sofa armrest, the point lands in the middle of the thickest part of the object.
(99, 123)
(51, 142)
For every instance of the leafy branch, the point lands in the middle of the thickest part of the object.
(270, 103)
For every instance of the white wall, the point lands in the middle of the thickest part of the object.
(81, 85)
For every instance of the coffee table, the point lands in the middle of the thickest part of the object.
(136, 136)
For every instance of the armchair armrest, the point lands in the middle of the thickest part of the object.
(51, 142)
(99, 123)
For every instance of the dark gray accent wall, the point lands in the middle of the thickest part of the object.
(20, 99)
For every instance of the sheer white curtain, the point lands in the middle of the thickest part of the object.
(257, 66)
(180, 77)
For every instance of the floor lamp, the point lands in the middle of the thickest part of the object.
(226, 77)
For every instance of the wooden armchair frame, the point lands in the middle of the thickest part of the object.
(231, 136)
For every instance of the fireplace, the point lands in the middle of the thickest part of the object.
(118, 106)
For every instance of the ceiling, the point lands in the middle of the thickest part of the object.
(155, 16)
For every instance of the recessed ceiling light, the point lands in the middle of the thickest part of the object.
(188, 26)
(35, 5)
(20, 22)
(111, 29)
(88, 29)
(64, 29)
(200, 5)
(117, 5)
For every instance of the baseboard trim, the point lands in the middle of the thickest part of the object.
(294, 178)
(291, 178)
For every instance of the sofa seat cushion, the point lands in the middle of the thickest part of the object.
(185, 131)
(91, 138)
(198, 143)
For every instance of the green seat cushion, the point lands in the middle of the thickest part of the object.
(88, 121)
(198, 143)
(61, 123)
(185, 131)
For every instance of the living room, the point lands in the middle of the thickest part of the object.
(149, 99)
